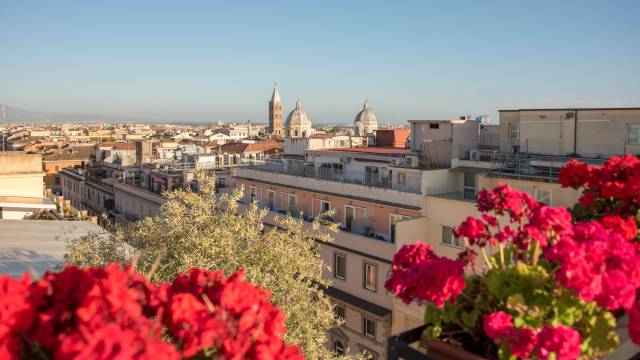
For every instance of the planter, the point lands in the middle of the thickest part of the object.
(440, 350)
(399, 347)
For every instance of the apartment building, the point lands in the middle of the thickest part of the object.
(72, 156)
(532, 146)
(582, 132)
(371, 191)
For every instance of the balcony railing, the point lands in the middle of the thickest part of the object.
(521, 163)
(410, 184)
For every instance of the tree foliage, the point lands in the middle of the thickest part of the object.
(204, 230)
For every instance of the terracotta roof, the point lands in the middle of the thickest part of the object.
(72, 153)
(125, 146)
(237, 148)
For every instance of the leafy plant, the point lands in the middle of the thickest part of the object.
(540, 281)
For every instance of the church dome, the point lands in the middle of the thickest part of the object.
(298, 117)
(298, 122)
(358, 128)
(366, 119)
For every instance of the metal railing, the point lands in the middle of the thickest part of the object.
(519, 162)
(412, 182)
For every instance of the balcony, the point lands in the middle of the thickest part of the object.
(408, 194)
(381, 249)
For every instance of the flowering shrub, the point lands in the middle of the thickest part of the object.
(549, 279)
(109, 313)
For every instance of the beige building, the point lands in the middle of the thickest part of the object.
(21, 185)
(533, 145)
(592, 132)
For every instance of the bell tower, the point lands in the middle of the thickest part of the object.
(275, 113)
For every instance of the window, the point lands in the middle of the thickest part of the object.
(339, 266)
(252, 194)
(349, 216)
(372, 176)
(514, 130)
(338, 169)
(325, 206)
(370, 280)
(469, 186)
(402, 178)
(271, 199)
(434, 126)
(340, 312)
(449, 239)
(633, 135)
(338, 348)
(393, 219)
(369, 327)
(542, 195)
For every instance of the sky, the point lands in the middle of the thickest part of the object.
(218, 60)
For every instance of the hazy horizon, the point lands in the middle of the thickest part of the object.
(204, 61)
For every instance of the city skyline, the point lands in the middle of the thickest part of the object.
(203, 63)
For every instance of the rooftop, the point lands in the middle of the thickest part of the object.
(35, 246)
(369, 150)
(237, 148)
(26, 202)
(570, 109)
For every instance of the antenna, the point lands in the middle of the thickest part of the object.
(3, 114)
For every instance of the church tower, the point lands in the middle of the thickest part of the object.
(275, 113)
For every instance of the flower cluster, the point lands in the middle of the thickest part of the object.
(529, 219)
(561, 341)
(610, 189)
(206, 310)
(418, 274)
(111, 312)
(599, 264)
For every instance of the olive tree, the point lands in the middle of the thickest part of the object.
(202, 229)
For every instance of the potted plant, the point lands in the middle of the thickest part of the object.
(115, 313)
(535, 281)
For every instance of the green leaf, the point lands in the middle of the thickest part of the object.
(603, 332)
(505, 354)
(469, 318)
(432, 315)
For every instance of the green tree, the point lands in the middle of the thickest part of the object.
(200, 229)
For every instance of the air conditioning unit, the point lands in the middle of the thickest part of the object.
(395, 162)
(474, 155)
(345, 160)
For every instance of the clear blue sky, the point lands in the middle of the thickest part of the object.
(210, 60)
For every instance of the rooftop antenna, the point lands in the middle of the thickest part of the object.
(3, 114)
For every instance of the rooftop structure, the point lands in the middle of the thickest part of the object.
(34, 246)
(21, 185)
